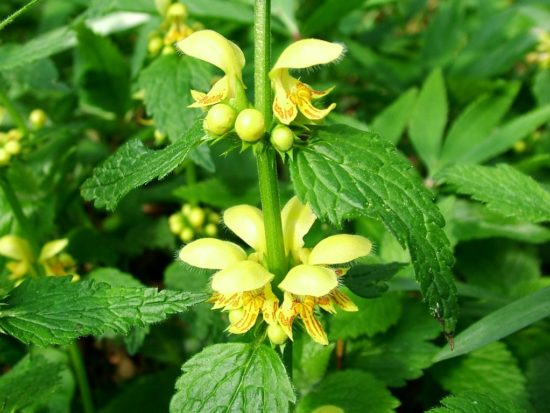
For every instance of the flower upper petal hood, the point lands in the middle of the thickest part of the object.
(297, 220)
(339, 249)
(212, 253)
(307, 53)
(241, 277)
(247, 222)
(212, 47)
(52, 248)
(312, 280)
(15, 247)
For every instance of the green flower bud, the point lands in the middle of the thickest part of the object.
(38, 118)
(250, 125)
(155, 45)
(167, 50)
(159, 137)
(187, 235)
(13, 147)
(177, 11)
(186, 209)
(4, 157)
(328, 408)
(196, 217)
(282, 138)
(214, 217)
(15, 134)
(220, 119)
(276, 334)
(211, 230)
(176, 224)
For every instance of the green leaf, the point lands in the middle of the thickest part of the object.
(368, 280)
(500, 323)
(32, 380)
(493, 369)
(391, 122)
(102, 74)
(54, 310)
(345, 173)
(541, 87)
(233, 377)
(476, 122)
(401, 353)
(167, 85)
(219, 193)
(220, 9)
(133, 165)
(328, 14)
(375, 315)
(538, 383)
(504, 189)
(310, 361)
(504, 137)
(429, 118)
(477, 402)
(352, 391)
(444, 35)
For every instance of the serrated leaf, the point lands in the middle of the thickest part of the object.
(401, 353)
(492, 368)
(477, 402)
(102, 74)
(53, 310)
(375, 315)
(346, 173)
(133, 165)
(391, 123)
(426, 132)
(352, 391)
(500, 323)
(167, 85)
(476, 122)
(504, 189)
(233, 377)
(32, 380)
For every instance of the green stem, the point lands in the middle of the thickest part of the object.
(265, 155)
(15, 14)
(14, 113)
(191, 177)
(81, 378)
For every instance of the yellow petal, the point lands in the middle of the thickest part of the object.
(270, 305)
(15, 247)
(18, 269)
(343, 301)
(52, 248)
(219, 92)
(247, 222)
(339, 249)
(312, 280)
(286, 314)
(240, 277)
(297, 220)
(212, 253)
(313, 326)
(308, 52)
(215, 49)
(284, 109)
(251, 309)
(311, 112)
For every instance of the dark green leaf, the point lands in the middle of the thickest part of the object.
(310, 361)
(233, 377)
(538, 383)
(328, 14)
(56, 311)
(219, 193)
(391, 123)
(477, 402)
(134, 165)
(345, 173)
(368, 280)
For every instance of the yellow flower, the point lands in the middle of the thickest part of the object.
(215, 49)
(51, 257)
(241, 284)
(291, 94)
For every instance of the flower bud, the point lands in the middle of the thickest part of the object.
(176, 224)
(220, 119)
(282, 138)
(177, 11)
(250, 125)
(214, 217)
(4, 157)
(13, 147)
(196, 217)
(162, 6)
(168, 50)
(276, 334)
(186, 209)
(187, 235)
(159, 137)
(235, 315)
(155, 45)
(328, 408)
(15, 134)
(211, 230)
(37, 118)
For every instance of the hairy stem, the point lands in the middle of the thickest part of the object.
(81, 378)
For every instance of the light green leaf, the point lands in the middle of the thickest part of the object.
(310, 361)
(375, 315)
(220, 9)
(391, 122)
(500, 323)
(133, 165)
(476, 122)
(54, 310)
(328, 14)
(352, 391)
(102, 74)
(345, 173)
(32, 380)
(477, 402)
(504, 189)
(167, 85)
(493, 369)
(429, 119)
(235, 377)
(541, 87)
(219, 193)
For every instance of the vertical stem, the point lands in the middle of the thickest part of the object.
(81, 378)
(265, 155)
(16, 117)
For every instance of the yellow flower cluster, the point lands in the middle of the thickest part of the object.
(541, 55)
(243, 283)
(52, 259)
(10, 145)
(193, 222)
